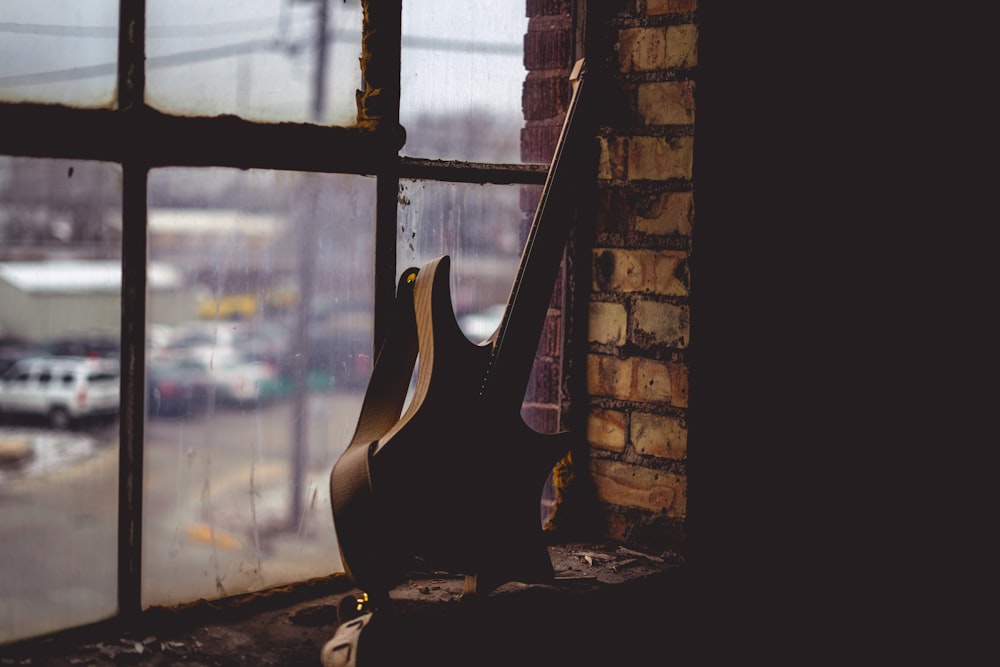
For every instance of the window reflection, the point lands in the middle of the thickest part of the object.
(255, 372)
(60, 305)
(59, 52)
(260, 59)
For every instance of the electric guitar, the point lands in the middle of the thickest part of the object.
(454, 484)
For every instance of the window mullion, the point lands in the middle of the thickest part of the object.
(131, 86)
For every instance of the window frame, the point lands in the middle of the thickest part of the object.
(139, 138)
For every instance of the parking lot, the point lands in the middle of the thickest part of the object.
(216, 507)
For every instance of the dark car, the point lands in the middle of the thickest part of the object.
(95, 345)
(13, 350)
(176, 389)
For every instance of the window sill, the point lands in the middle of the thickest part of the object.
(606, 604)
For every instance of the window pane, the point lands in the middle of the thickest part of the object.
(259, 59)
(462, 74)
(63, 52)
(482, 229)
(60, 304)
(258, 356)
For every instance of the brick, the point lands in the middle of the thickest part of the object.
(538, 142)
(548, 50)
(678, 385)
(661, 324)
(654, 271)
(655, 7)
(653, 381)
(543, 384)
(550, 341)
(608, 376)
(658, 435)
(547, 7)
(682, 46)
(612, 154)
(636, 379)
(606, 430)
(607, 323)
(631, 486)
(660, 158)
(612, 210)
(665, 213)
(544, 97)
(642, 49)
(541, 418)
(666, 103)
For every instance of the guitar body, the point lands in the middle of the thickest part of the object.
(455, 482)
(458, 479)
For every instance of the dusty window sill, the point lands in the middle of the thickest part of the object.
(607, 603)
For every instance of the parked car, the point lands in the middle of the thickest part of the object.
(62, 390)
(177, 389)
(13, 350)
(87, 345)
(235, 377)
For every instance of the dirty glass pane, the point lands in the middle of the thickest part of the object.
(59, 52)
(481, 227)
(259, 350)
(259, 59)
(461, 79)
(60, 305)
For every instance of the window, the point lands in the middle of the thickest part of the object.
(230, 183)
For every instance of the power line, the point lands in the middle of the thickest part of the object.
(252, 46)
(156, 32)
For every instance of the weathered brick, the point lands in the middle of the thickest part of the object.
(606, 429)
(634, 379)
(547, 7)
(682, 46)
(607, 323)
(631, 486)
(662, 324)
(642, 49)
(548, 49)
(654, 7)
(538, 142)
(543, 385)
(678, 385)
(658, 435)
(656, 271)
(653, 381)
(612, 154)
(541, 418)
(608, 376)
(660, 158)
(665, 213)
(612, 210)
(544, 97)
(666, 103)
(550, 341)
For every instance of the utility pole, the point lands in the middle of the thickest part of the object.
(319, 80)
(308, 226)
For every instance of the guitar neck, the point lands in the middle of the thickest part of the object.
(524, 317)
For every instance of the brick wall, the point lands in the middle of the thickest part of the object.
(630, 472)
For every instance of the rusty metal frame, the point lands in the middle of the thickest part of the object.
(140, 138)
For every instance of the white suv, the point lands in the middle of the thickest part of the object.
(63, 390)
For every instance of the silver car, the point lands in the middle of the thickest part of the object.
(61, 390)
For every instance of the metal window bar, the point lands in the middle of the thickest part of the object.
(140, 138)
